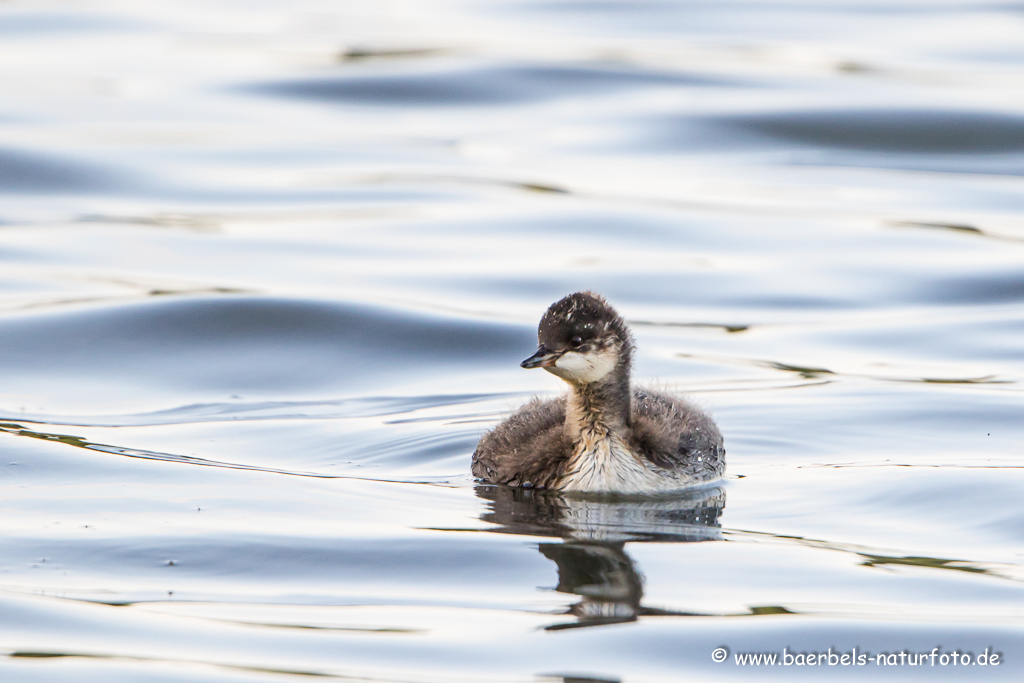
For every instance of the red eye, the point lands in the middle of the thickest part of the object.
(576, 342)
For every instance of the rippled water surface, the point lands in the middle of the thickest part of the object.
(267, 271)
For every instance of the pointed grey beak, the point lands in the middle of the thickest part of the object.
(544, 358)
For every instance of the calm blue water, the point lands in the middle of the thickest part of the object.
(267, 271)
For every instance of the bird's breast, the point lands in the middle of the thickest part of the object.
(603, 463)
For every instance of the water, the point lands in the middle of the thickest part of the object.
(268, 271)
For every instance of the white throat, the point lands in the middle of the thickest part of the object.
(585, 368)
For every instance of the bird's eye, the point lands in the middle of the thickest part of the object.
(576, 342)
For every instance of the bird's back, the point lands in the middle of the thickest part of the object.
(676, 436)
(530, 447)
(671, 435)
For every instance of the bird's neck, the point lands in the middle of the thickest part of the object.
(600, 409)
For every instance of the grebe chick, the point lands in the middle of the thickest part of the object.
(604, 435)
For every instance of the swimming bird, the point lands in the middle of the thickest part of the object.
(604, 435)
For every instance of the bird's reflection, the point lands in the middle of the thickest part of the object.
(592, 560)
(603, 575)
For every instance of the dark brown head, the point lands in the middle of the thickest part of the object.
(582, 339)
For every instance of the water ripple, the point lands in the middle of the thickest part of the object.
(476, 85)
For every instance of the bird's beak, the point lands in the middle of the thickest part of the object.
(544, 358)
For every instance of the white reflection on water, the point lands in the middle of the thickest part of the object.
(266, 273)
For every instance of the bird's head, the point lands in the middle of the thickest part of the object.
(582, 339)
